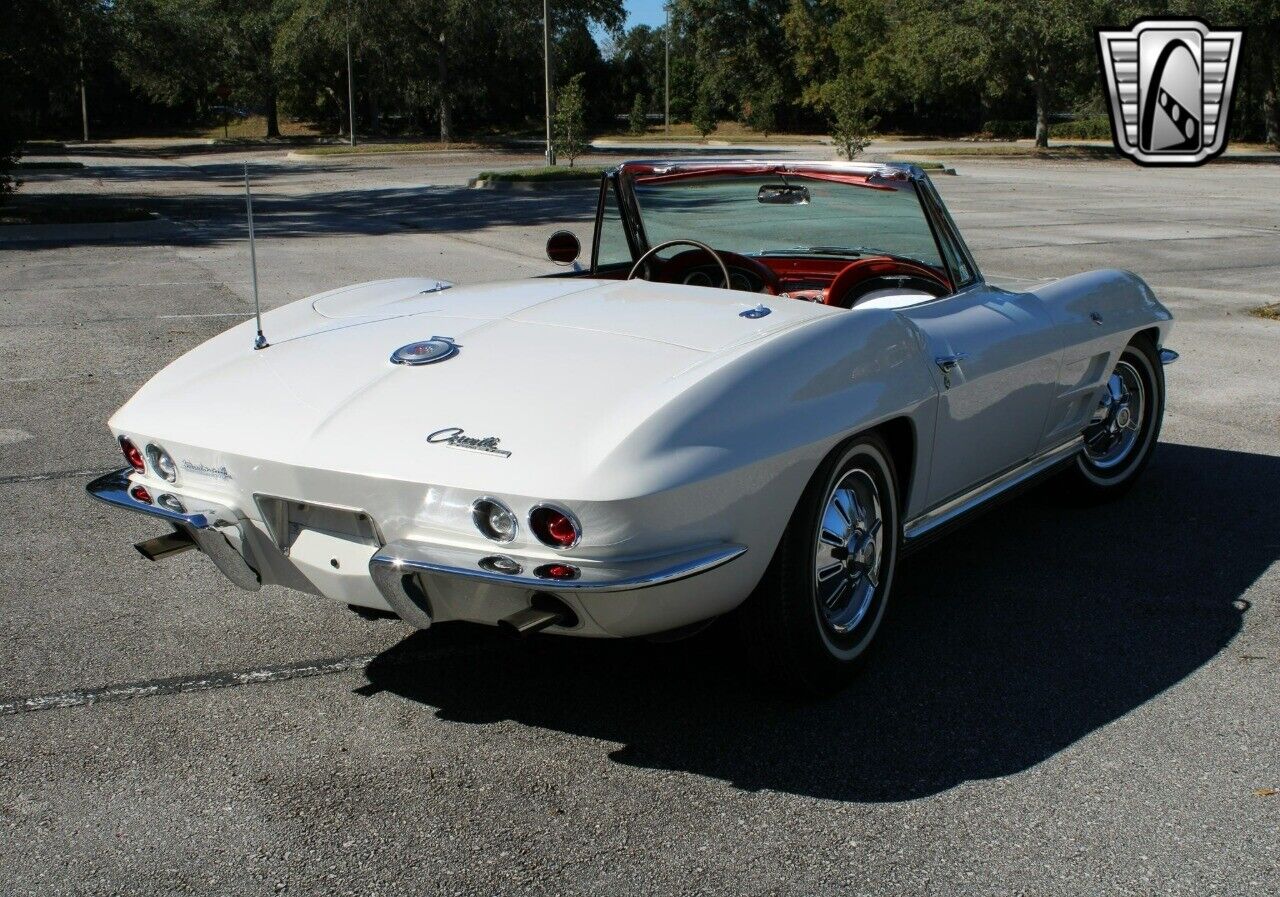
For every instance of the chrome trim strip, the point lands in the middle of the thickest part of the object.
(113, 488)
(1168, 356)
(237, 565)
(962, 504)
(393, 563)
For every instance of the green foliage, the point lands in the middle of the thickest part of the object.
(475, 66)
(546, 173)
(1094, 127)
(761, 107)
(1004, 129)
(638, 117)
(569, 124)
(704, 114)
(851, 125)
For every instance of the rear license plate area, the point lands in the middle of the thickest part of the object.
(288, 520)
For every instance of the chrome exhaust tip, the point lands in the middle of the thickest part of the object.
(544, 611)
(165, 546)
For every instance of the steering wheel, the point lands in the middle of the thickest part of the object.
(703, 246)
(858, 278)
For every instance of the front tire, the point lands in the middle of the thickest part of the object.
(812, 619)
(1121, 438)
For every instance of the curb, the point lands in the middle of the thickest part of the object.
(534, 186)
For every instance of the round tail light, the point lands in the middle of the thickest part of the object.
(162, 463)
(132, 455)
(494, 520)
(554, 527)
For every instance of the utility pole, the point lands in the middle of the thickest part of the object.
(351, 90)
(666, 76)
(546, 73)
(84, 102)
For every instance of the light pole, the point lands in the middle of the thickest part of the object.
(351, 90)
(666, 77)
(546, 73)
(84, 102)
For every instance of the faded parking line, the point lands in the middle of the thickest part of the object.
(54, 475)
(183, 684)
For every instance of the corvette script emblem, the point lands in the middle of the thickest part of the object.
(1169, 82)
(454, 436)
(204, 470)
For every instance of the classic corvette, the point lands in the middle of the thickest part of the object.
(768, 381)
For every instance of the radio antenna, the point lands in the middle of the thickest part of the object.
(261, 341)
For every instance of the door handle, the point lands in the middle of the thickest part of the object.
(947, 364)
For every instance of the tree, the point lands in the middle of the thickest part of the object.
(851, 126)
(638, 117)
(760, 109)
(1046, 43)
(569, 123)
(704, 114)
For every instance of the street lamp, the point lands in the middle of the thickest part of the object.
(546, 73)
(351, 90)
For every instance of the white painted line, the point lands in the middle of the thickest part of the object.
(183, 684)
(216, 314)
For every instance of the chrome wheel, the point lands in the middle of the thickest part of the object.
(1117, 423)
(850, 547)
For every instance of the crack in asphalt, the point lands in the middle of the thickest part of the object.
(183, 684)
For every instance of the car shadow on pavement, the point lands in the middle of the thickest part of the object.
(1008, 641)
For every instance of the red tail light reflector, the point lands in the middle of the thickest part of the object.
(557, 571)
(139, 493)
(132, 455)
(554, 527)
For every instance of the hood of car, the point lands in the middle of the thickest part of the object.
(540, 374)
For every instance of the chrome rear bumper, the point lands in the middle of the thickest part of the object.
(205, 526)
(395, 569)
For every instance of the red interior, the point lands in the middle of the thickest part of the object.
(810, 279)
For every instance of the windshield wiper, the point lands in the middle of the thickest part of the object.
(847, 251)
(815, 250)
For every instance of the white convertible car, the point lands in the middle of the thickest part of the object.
(768, 382)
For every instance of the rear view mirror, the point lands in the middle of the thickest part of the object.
(563, 247)
(783, 195)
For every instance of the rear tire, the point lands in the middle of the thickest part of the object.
(811, 621)
(1120, 441)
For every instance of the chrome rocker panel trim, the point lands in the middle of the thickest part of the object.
(971, 500)
(393, 568)
(202, 526)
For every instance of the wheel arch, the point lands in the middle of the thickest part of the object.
(899, 435)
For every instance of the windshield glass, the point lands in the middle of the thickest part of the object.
(766, 214)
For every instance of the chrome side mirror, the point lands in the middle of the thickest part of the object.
(563, 247)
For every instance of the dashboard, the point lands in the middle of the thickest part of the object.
(710, 276)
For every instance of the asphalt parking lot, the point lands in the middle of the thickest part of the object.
(1066, 700)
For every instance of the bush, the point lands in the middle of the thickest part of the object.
(760, 111)
(569, 124)
(1003, 129)
(638, 117)
(704, 115)
(851, 125)
(1093, 127)
(10, 150)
